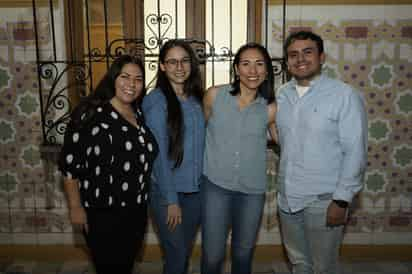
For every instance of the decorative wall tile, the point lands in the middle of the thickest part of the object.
(23, 221)
(5, 220)
(30, 156)
(403, 103)
(382, 49)
(402, 156)
(28, 105)
(7, 132)
(379, 130)
(332, 50)
(381, 76)
(23, 198)
(405, 52)
(355, 52)
(4, 78)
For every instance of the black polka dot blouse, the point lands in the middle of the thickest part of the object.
(111, 160)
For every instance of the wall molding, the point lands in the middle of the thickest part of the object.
(341, 2)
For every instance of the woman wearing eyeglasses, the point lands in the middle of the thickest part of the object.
(173, 112)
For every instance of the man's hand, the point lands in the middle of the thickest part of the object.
(335, 216)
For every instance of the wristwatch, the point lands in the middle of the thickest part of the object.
(341, 203)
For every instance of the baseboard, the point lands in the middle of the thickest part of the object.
(264, 253)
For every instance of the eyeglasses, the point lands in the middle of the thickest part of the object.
(174, 62)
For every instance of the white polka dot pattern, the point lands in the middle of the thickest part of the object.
(69, 158)
(76, 137)
(128, 145)
(97, 150)
(106, 156)
(95, 131)
(114, 115)
(125, 186)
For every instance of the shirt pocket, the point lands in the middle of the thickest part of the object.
(321, 119)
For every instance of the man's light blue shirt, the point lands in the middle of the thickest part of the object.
(323, 139)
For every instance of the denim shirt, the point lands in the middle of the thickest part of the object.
(323, 139)
(235, 153)
(185, 178)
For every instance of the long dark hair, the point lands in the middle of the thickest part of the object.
(266, 89)
(83, 114)
(192, 87)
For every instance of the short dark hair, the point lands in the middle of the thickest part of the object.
(266, 89)
(302, 35)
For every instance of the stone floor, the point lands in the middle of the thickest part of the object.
(277, 267)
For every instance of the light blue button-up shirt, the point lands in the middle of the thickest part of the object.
(186, 178)
(323, 139)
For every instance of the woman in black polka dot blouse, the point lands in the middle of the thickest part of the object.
(107, 161)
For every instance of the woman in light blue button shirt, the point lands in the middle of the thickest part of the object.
(233, 193)
(173, 112)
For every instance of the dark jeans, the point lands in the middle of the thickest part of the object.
(115, 236)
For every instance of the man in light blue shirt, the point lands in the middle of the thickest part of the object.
(322, 127)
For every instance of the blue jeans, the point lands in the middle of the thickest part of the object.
(312, 247)
(223, 209)
(177, 244)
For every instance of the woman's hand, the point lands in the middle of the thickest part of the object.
(78, 217)
(174, 216)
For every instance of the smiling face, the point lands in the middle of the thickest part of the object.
(129, 84)
(304, 60)
(177, 66)
(251, 69)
